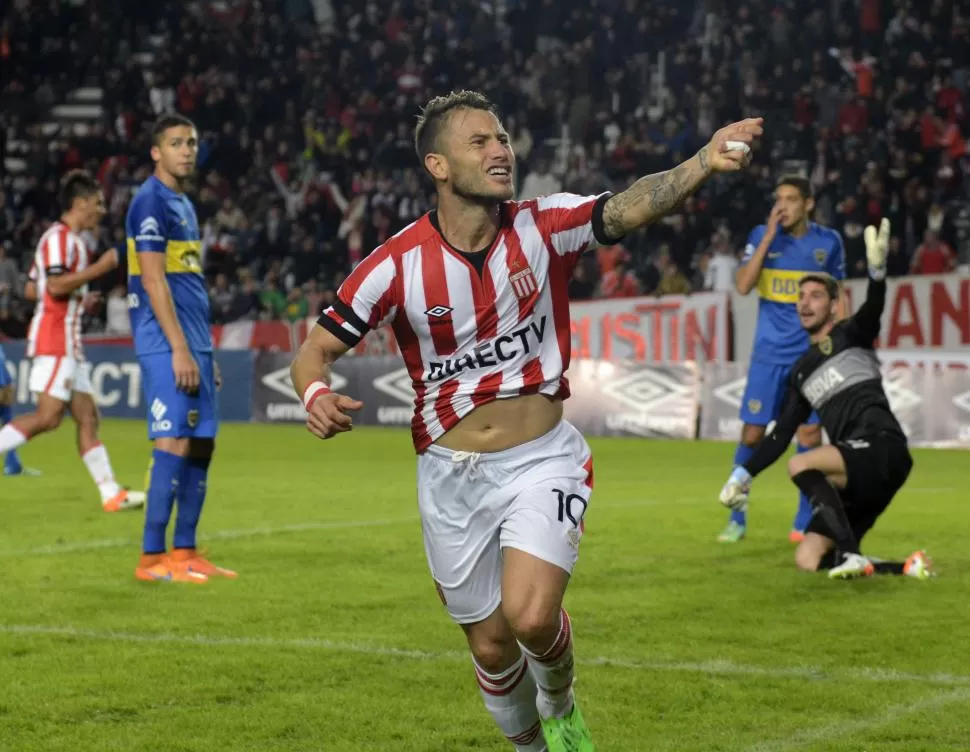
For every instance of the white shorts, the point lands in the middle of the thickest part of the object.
(531, 497)
(59, 377)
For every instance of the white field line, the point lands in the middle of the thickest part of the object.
(846, 728)
(98, 544)
(300, 527)
(710, 668)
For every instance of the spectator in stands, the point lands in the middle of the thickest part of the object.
(221, 297)
(933, 256)
(296, 305)
(619, 282)
(245, 302)
(540, 182)
(719, 274)
(117, 320)
(869, 99)
(582, 286)
(271, 300)
(654, 272)
(673, 282)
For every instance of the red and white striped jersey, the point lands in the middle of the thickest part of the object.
(470, 337)
(56, 326)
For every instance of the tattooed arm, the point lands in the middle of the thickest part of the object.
(654, 196)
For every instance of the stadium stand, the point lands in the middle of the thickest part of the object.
(306, 110)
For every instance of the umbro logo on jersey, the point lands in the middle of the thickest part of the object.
(438, 312)
(774, 255)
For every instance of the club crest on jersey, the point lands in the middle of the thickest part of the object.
(825, 346)
(191, 261)
(820, 255)
(193, 418)
(754, 406)
(522, 279)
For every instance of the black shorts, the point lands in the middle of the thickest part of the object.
(877, 467)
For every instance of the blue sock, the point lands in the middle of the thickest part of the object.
(11, 463)
(741, 455)
(166, 475)
(804, 514)
(191, 496)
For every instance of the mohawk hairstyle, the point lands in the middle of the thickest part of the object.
(436, 112)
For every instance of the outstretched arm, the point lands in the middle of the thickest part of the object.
(864, 325)
(654, 196)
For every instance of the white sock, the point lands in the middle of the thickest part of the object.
(510, 696)
(99, 466)
(10, 438)
(553, 672)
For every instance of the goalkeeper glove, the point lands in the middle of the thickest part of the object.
(735, 491)
(877, 249)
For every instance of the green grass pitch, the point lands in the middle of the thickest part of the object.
(333, 637)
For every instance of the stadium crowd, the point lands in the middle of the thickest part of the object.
(307, 160)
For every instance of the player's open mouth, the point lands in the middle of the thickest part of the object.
(501, 174)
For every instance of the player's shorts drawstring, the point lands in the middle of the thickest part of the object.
(471, 458)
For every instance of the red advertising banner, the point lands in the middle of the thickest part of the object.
(932, 311)
(672, 329)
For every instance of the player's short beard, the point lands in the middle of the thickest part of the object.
(820, 325)
(479, 195)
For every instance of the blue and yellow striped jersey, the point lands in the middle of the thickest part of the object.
(163, 221)
(779, 337)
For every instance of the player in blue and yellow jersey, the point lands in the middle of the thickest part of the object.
(11, 462)
(777, 255)
(169, 307)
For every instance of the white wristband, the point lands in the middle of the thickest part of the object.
(313, 391)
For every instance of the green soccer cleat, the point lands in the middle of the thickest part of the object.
(568, 734)
(733, 533)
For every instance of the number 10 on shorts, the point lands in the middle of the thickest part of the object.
(568, 508)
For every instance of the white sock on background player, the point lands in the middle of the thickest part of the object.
(553, 671)
(10, 438)
(99, 466)
(510, 696)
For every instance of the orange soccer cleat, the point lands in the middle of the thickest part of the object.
(161, 568)
(796, 536)
(124, 499)
(196, 562)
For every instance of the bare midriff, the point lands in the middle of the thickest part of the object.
(503, 424)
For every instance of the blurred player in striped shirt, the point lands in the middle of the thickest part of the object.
(476, 293)
(60, 375)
